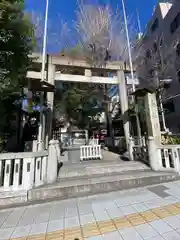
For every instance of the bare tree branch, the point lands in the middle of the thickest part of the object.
(65, 37)
(59, 35)
(101, 33)
(157, 63)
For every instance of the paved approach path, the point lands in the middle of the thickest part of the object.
(150, 213)
(110, 156)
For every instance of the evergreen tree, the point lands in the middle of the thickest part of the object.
(16, 43)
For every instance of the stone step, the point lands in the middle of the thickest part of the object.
(99, 168)
(84, 186)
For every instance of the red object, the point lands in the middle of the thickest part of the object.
(102, 137)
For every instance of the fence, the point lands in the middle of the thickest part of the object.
(78, 137)
(22, 171)
(160, 157)
(93, 141)
(88, 152)
(169, 156)
(140, 153)
(140, 141)
(119, 142)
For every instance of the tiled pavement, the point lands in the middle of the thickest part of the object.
(151, 213)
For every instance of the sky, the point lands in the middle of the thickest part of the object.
(65, 9)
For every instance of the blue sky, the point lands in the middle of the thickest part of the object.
(66, 8)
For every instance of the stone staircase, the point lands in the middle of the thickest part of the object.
(93, 177)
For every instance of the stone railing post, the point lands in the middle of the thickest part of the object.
(52, 163)
(34, 146)
(154, 155)
(131, 150)
(58, 151)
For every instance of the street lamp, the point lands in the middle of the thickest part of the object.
(40, 135)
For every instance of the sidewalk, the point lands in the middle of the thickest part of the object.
(150, 213)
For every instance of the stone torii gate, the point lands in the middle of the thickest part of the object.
(89, 74)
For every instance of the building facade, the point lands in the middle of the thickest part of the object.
(158, 58)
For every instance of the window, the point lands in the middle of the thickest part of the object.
(155, 25)
(178, 50)
(175, 23)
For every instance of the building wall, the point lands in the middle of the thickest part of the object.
(165, 13)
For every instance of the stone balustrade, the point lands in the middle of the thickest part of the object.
(26, 170)
(22, 171)
(158, 157)
(164, 157)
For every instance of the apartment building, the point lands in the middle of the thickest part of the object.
(159, 57)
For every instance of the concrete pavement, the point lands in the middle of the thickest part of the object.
(150, 213)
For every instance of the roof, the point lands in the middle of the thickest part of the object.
(143, 91)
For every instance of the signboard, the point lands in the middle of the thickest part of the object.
(129, 79)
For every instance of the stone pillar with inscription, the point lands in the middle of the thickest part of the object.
(154, 131)
(152, 117)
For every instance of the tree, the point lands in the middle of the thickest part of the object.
(155, 67)
(156, 64)
(77, 102)
(100, 37)
(59, 35)
(16, 43)
(101, 33)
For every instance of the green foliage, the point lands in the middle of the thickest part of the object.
(16, 42)
(171, 140)
(78, 101)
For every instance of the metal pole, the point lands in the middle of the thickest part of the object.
(138, 20)
(40, 135)
(131, 67)
(129, 46)
(162, 113)
(45, 41)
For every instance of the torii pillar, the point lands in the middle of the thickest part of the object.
(124, 104)
(50, 100)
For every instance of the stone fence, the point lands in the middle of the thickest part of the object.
(158, 157)
(26, 170)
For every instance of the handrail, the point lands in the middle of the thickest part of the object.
(168, 146)
(21, 155)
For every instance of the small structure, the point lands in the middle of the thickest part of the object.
(20, 172)
(87, 74)
(159, 157)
